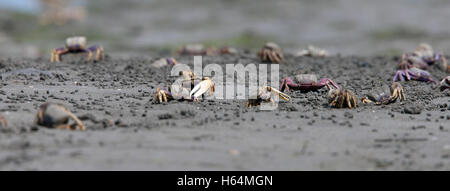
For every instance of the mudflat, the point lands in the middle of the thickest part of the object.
(127, 131)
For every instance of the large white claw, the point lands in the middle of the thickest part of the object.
(201, 88)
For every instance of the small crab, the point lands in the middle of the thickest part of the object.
(227, 50)
(271, 53)
(381, 97)
(164, 62)
(206, 85)
(77, 45)
(445, 83)
(413, 74)
(175, 92)
(265, 94)
(3, 122)
(340, 98)
(55, 115)
(306, 82)
(195, 49)
(313, 52)
(422, 57)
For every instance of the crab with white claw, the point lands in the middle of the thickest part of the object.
(340, 98)
(3, 122)
(313, 52)
(381, 97)
(413, 74)
(306, 82)
(206, 85)
(55, 115)
(445, 83)
(271, 53)
(76, 45)
(266, 94)
(423, 57)
(160, 63)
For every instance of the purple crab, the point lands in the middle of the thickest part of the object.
(423, 57)
(413, 74)
(306, 82)
(75, 45)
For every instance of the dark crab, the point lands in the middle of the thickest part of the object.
(382, 97)
(413, 74)
(306, 82)
(445, 83)
(266, 94)
(271, 53)
(55, 115)
(340, 98)
(75, 45)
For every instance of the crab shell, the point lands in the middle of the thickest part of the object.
(381, 95)
(76, 43)
(306, 78)
(424, 50)
(272, 46)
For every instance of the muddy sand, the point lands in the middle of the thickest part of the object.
(127, 131)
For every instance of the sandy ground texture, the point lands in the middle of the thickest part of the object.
(127, 131)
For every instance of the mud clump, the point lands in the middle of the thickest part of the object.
(412, 109)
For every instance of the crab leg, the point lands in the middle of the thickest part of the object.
(75, 118)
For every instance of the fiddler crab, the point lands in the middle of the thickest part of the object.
(313, 52)
(178, 92)
(445, 83)
(3, 122)
(382, 97)
(271, 53)
(306, 82)
(75, 45)
(266, 95)
(164, 62)
(422, 58)
(55, 115)
(340, 98)
(413, 74)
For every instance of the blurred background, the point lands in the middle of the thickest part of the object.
(31, 28)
